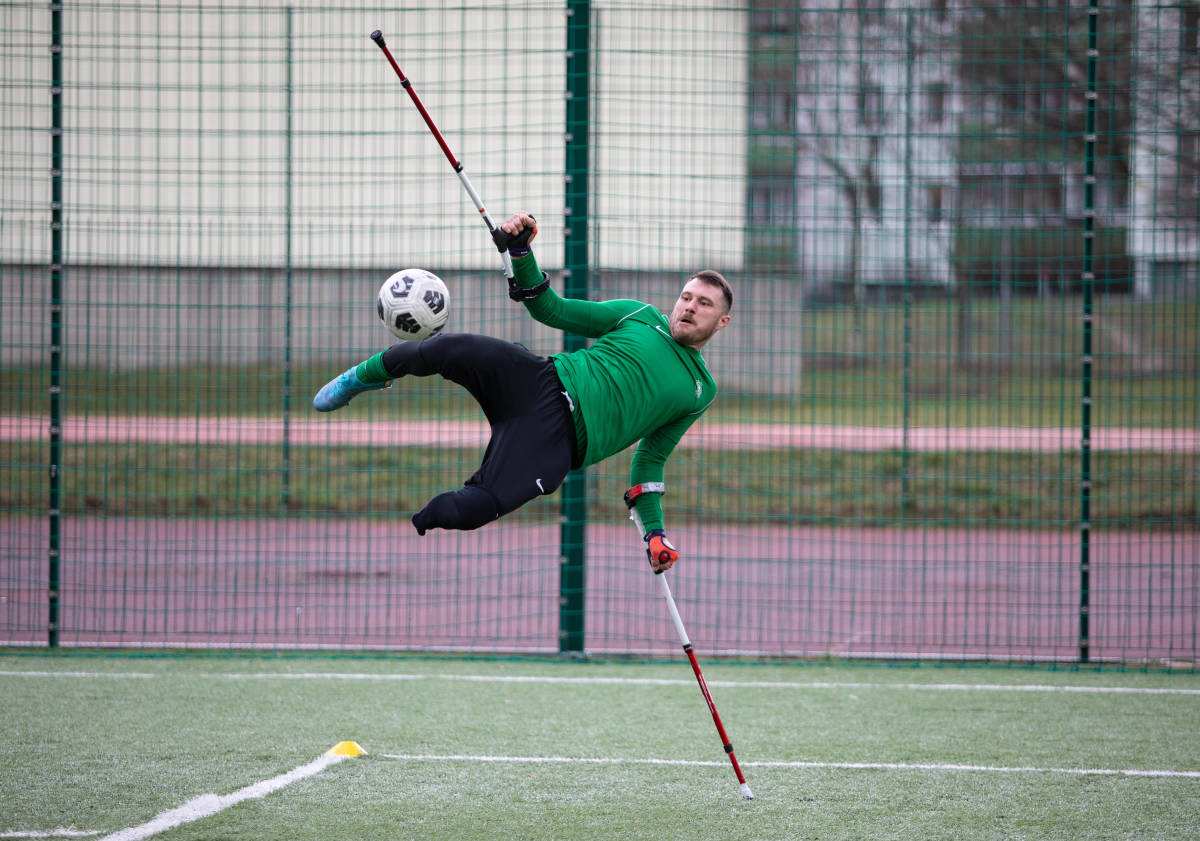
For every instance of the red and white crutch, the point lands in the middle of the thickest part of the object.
(665, 590)
(499, 237)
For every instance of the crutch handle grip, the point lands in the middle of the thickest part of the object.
(514, 242)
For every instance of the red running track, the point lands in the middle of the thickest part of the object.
(357, 584)
(342, 431)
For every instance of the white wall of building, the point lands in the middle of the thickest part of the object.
(186, 161)
(178, 150)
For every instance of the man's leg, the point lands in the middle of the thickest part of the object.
(500, 375)
(465, 509)
(464, 358)
(528, 455)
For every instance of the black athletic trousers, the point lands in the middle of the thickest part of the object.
(533, 437)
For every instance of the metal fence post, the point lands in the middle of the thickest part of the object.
(575, 263)
(1088, 279)
(54, 508)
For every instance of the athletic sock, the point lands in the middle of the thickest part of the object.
(372, 371)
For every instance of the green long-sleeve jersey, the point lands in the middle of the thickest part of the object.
(635, 383)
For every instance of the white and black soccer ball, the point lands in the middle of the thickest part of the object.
(413, 304)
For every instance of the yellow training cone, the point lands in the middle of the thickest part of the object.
(346, 749)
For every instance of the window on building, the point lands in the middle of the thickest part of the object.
(1188, 165)
(760, 205)
(870, 105)
(935, 103)
(772, 109)
(772, 204)
(1189, 27)
(777, 19)
(935, 196)
(1019, 197)
(1189, 149)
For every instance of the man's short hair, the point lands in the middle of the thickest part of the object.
(716, 279)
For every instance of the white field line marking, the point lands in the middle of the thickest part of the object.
(637, 681)
(856, 766)
(767, 684)
(137, 675)
(64, 832)
(209, 804)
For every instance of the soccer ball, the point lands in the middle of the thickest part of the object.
(413, 304)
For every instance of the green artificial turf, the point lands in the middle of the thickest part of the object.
(535, 749)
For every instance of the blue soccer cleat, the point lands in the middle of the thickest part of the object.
(338, 392)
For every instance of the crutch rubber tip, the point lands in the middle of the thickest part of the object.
(747, 794)
(377, 37)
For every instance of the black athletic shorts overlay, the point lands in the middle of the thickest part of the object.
(533, 439)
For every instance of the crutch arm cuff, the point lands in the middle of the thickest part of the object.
(633, 493)
(528, 293)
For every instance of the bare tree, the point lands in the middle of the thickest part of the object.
(1024, 67)
(841, 117)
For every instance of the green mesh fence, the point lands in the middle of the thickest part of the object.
(959, 409)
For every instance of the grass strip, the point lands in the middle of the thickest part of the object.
(1129, 490)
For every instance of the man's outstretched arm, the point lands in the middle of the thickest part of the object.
(531, 287)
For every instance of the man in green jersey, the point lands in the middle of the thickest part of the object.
(642, 380)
